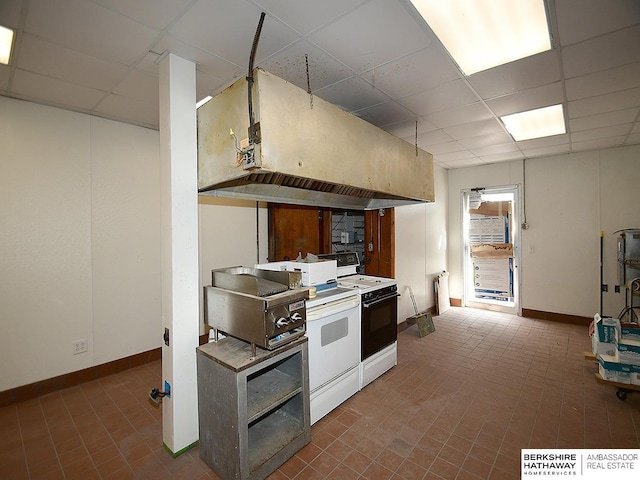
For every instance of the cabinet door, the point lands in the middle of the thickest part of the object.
(379, 248)
(297, 229)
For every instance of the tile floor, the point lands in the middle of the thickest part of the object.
(460, 404)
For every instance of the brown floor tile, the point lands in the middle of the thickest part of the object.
(461, 403)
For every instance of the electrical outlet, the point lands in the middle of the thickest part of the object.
(80, 346)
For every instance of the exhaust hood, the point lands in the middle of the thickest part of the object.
(303, 151)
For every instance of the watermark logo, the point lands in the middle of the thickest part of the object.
(584, 464)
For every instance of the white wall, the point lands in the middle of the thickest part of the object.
(421, 248)
(80, 240)
(569, 199)
(228, 236)
(80, 256)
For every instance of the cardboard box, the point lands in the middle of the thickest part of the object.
(493, 278)
(607, 328)
(492, 250)
(629, 351)
(493, 209)
(630, 331)
(603, 348)
(313, 274)
(613, 371)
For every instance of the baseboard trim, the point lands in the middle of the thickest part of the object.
(526, 313)
(43, 387)
(557, 317)
(68, 380)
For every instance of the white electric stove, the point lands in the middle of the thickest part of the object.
(378, 316)
(333, 330)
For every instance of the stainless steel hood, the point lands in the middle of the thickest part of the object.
(307, 152)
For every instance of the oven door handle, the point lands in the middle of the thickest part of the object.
(379, 300)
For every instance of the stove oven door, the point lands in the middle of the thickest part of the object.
(333, 332)
(379, 324)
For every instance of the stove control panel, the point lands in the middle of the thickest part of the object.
(388, 291)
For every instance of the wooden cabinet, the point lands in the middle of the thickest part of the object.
(380, 245)
(253, 411)
(297, 229)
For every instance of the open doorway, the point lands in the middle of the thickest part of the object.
(491, 246)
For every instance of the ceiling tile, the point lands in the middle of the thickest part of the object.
(596, 144)
(463, 163)
(4, 78)
(385, 114)
(444, 97)
(582, 19)
(513, 77)
(454, 156)
(495, 149)
(207, 85)
(297, 15)
(612, 50)
(206, 62)
(434, 137)
(546, 151)
(139, 85)
(605, 132)
(291, 63)
(407, 130)
(502, 157)
(207, 26)
(149, 63)
(63, 22)
(416, 72)
(71, 66)
(605, 103)
(115, 106)
(157, 14)
(528, 99)
(486, 140)
(474, 129)
(50, 91)
(633, 139)
(605, 81)
(10, 13)
(352, 94)
(544, 142)
(440, 148)
(358, 40)
(459, 115)
(604, 119)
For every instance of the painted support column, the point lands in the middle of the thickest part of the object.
(179, 239)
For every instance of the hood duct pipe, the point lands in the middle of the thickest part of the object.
(253, 137)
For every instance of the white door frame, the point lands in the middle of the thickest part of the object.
(468, 297)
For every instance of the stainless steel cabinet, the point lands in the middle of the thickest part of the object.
(253, 411)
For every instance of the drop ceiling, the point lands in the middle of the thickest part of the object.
(375, 58)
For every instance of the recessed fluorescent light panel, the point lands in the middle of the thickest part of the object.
(481, 34)
(6, 40)
(542, 122)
